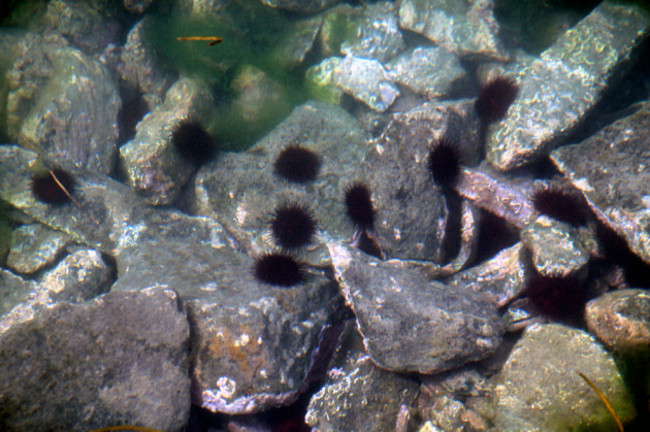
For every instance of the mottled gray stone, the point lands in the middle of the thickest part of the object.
(463, 27)
(501, 278)
(299, 41)
(377, 34)
(300, 6)
(153, 167)
(119, 359)
(556, 247)
(539, 388)
(412, 324)
(621, 319)
(241, 190)
(339, 24)
(557, 90)
(611, 170)
(359, 396)
(13, 290)
(35, 246)
(66, 122)
(140, 67)
(320, 81)
(432, 72)
(80, 276)
(367, 81)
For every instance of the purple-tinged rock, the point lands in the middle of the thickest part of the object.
(557, 90)
(119, 359)
(410, 323)
(367, 81)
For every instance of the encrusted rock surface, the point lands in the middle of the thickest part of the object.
(539, 388)
(34, 246)
(119, 359)
(366, 80)
(412, 324)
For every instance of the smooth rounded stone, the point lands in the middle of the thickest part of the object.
(621, 319)
(539, 388)
(558, 90)
(119, 359)
(556, 248)
(611, 169)
(430, 71)
(153, 167)
(367, 81)
(409, 207)
(140, 67)
(412, 324)
(463, 27)
(66, 122)
(35, 246)
(80, 276)
(357, 395)
(377, 34)
(501, 278)
(300, 6)
(241, 190)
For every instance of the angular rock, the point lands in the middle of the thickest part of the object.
(412, 324)
(377, 34)
(557, 90)
(432, 71)
(119, 359)
(611, 170)
(621, 319)
(366, 80)
(339, 24)
(299, 41)
(34, 246)
(66, 122)
(556, 248)
(300, 6)
(155, 170)
(320, 81)
(13, 290)
(539, 388)
(462, 27)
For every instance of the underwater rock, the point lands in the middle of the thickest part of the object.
(501, 278)
(431, 72)
(339, 24)
(320, 81)
(300, 6)
(255, 93)
(410, 323)
(359, 396)
(35, 246)
(140, 67)
(137, 6)
(539, 388)
(66, 122)
(80, 276)
(556, 247)
(298, 42)
(621, 320)
(557, 90)
(462, 27)
(154, 169)
(367, 81)
(242, 190)
(377, 34)
(14, 289)
(119, 359)
(611, 170)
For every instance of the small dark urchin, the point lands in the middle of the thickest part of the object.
(560, 204)
(293, 226)
(297, 164)
(359, 206)
(278, 269)
(495, 98)
(192, 142)
(444, 162)
(46, 187)
(559, 298)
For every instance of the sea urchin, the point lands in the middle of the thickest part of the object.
(297, 164)
(444, 162)
(495, 98)
(278, 269)
(192, 141)
(55, 187)
(359, 206)
(560, 204)
(293, 226)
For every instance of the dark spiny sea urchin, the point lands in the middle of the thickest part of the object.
(278, 269)
(558, 298)
(293, 225)
(444, 162)
(561, 204)
(192, 142)
(297, 164)
(495, 97)
(359, 205)
(47, 187)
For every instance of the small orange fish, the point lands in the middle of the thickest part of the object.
(212, 40)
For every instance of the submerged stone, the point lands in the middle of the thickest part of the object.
(34, 246)
(366, 80)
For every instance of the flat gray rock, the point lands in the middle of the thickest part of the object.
(611, 170)
(366, 80)
(410, 323)
(119, 359)
(557, 90)
(539, 388)
(34, 246)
